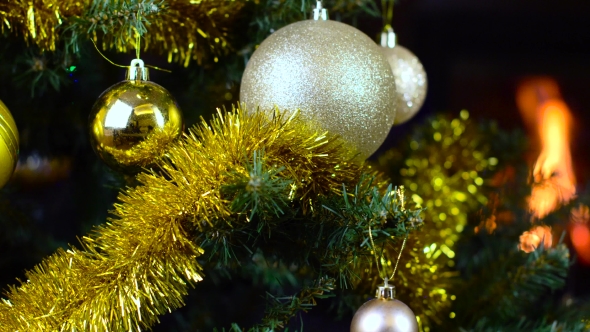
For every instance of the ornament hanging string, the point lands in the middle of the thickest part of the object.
(137, 42)
(387, 13)
(109, 60)
(114, 64)
(137, 51)
(383, 275)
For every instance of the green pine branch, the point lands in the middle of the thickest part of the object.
(485, 325)
(333, 239)
(118, 19)
(342, 228)
(280, 310)
(34, 72)
(506, 290)
(260, 190)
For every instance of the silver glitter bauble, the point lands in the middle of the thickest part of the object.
(336, 75)
(410, 77)
(384, 314)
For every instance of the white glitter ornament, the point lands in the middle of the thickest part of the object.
(410, 77)
(384, 314)
(335, 74)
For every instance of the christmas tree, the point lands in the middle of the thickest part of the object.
(234, 177)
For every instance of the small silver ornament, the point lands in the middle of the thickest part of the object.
(384, 314)
(333, 73)
(410, 78)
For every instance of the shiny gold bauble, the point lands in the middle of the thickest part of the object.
(133, 122)
(8, 144)
(410, 78)
(336, 75)
(384, 314)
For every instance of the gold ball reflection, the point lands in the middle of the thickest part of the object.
(132, 123)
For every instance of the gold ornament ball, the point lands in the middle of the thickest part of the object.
(333, 73)
(384, 315)
(8, 144)
(410, 82)
(133, 122)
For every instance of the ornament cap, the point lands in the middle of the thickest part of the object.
(388, 37)
(137, 71)
(385, 291)
(320, 13)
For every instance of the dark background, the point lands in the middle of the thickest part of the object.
(475, 53)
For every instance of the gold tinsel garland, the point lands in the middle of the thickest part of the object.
(140, 264)
(445, 169)
(183, 29)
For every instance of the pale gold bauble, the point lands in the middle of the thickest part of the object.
(9, 143)
(333, 73)
(384, 314)
(133, 122)
(410, 78)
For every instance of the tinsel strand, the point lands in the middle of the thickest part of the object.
(140, 264)
(183, 30)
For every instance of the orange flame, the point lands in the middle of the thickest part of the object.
(554, 180)
(541, 105)
(531, 240)
(580, 232)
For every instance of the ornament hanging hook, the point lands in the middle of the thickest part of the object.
(385, 291)
(388, 37)
(319, 12)
(137, 71)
